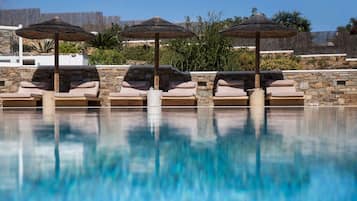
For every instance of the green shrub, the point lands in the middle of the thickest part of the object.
(241, 59)
(139, 53)
(70, 48)
(106, 57)
(279, 63)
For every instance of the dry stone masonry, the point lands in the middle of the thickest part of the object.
(321, 87)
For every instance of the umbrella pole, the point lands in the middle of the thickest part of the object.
(56, 73)
(156, 67)
(257, 60)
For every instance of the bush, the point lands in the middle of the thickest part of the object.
(70, 48)
(244, 60)
(208, 51)
(240, 60)
(106, 57)
(279, 63)
(139, 53)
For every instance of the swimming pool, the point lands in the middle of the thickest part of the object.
(179, 154)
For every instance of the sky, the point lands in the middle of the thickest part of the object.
(324, 15)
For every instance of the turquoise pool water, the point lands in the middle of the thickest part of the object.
(179, 154)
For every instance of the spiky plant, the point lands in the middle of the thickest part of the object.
(43, 46)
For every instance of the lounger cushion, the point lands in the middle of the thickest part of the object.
(69, 95)
(270, 90)
(226, 91)
(15, 95)
(34, 91)
(142, 85)
(283, 91)
(183, 85)
(26, 84)
(180, 92)
(236, 83)
(85, 91)
(34, 88)
(128, 92)
(83, 84)
(281, 83)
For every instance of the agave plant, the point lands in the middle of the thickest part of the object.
(43, 46)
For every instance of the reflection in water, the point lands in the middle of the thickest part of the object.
(179, 154)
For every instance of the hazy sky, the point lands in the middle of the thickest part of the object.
(324, 14)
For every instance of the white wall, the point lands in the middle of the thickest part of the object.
(46, 60)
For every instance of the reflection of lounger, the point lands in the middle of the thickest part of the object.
(180, 94)
(230, 93)
(132, 93)
(29, 94)
(228, 121)
(79, 94)
(283, 93)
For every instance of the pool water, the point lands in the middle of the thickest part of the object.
(179, 154)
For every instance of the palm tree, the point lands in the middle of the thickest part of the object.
(294, 20)
(109, 39)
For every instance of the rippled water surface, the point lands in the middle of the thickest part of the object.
(179, 154)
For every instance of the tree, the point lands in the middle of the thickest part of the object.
(208, 51)
(293, 20)
(109, 39)
(348, 27)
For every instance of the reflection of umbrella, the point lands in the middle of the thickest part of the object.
(156, 28)
(58, 30)
(258, 26)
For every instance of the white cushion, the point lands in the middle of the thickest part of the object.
(222, 82)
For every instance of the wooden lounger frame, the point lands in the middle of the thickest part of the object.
(230, 101)
(285, 101)
(179, 101)
(74, 101)
(128, 101)
(20, 102)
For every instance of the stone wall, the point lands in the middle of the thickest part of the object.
(318, 61)
(326, 62)
(5, 42)
(321, 87)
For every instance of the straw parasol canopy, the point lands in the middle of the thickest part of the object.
(258, 26)
(156, 28)
(58, 30)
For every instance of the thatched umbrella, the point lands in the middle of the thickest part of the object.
(156, 28)
(58, 30)
(258, 26)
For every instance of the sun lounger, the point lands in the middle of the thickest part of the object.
(80, 94)
(132, 93)
(29, 94)
(180, 94)
(230, 93)
(283, 93)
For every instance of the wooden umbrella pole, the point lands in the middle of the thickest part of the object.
(56, 71)
(157, 58)
(257, 60)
